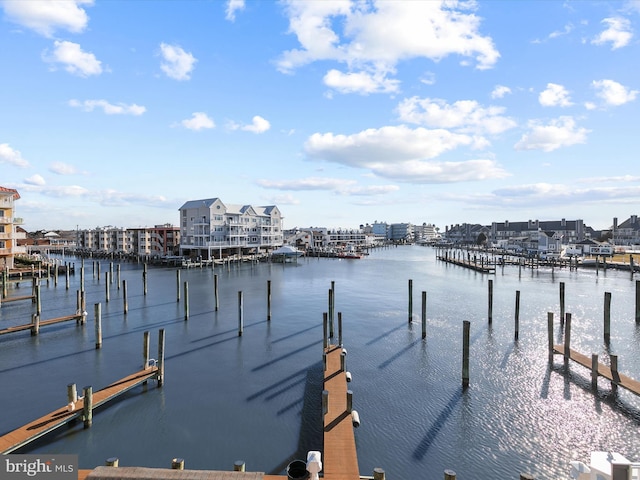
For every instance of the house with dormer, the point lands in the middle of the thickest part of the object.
(628, 232)
(211, 228)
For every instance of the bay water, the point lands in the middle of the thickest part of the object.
(257, 397)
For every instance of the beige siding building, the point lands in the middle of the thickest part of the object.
(9, 234)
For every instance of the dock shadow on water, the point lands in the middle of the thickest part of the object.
(311, 435)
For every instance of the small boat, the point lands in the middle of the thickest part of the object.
(286, 253)
(350, 252)
(605, 466)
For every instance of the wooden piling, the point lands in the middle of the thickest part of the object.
(378, 474)
(66, 277)
(325, 402)
(112, 462)
(490, 293)
(110, 279)
(424, 314)
(35, 322)
(340, 328)
(567, 338)
(550, 334)
(144, 278)
(107, 283)
(215, 292)
(615, 375)
(607, 317)
(562, 312)
(349, 401)
(239, 466)
(97, 309)
(330, 313)
(82, 277)
(177, 285)
(240, 314)
(177, 464)
(145, 350)
(637, 301)
(87, 408)
(325, 342)
(72, 393)
(594, 371)
(517, 316)
(268, 300)
(118, 276)
(449, 475)
(186, 300)
(160, 375)
(410, 307)
(124, 296)
(466, 326)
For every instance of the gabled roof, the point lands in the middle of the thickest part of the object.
(206, 202)
(13, 191)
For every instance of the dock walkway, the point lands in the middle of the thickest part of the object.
(478, 267)
(601, 370)
(36, 429)
(42, 323)
(340, 460)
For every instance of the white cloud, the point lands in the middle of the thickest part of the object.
(618, 33)
(613, 93)
(176, 63)
(463, 115)
(258, 125)
(198, 121)
(565, 31)
(35, 180)
(402, 154)
(500, 91)
(337, 185)
(560, 132)
(232, 7)
(108, 108)
(47, 16)
(60, 168)
(378, 35)
(11, 156)
(360, 82)
(554, 96)
(74, 60)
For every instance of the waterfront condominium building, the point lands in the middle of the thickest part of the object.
(157, 241)
(210, 228)
(8, 232)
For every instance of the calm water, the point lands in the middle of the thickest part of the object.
(257, 397)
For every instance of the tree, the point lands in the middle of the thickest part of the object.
(482, 239)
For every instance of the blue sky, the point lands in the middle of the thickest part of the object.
(339, 112)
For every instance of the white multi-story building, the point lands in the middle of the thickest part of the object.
(157, 241)
(209, 228)
(9, 234)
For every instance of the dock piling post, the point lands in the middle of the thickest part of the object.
(160, 375)
(35, 324)
(424, 314)
(490, 293)
(550, 334)
(240, 314)
(124, 296)
(607, 317)
(66, 276)
(594, 371)
(186, 300)
(87, 408)
(118, 276)
(340, 328)
(107, 282)
(97, 310)
(449, 475)
(82, 276)
(37, 298)
(72, 393)
(325, 342)
(349, 401)
(177, 285)
(637, 302)
(112, 462)
(325, 402)
(330, 313)
(466, 326)
(239, 466)
(144, 277)
(268, 300)
(567, 338)
(410, 307)
(517, 316)
(215, 291)
(562, 312)
(614, 373)
(177, 464)
(378, 474)
(110, 272)
(145, 350)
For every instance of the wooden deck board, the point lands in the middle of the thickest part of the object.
(340, 460)
(43, 425)
(621, 380)
(51, 321)
(145, 473)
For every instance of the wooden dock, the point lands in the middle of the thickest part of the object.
(600, 370)
(340, 460)
(40, 427)
(478, 267)
(42, 323)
